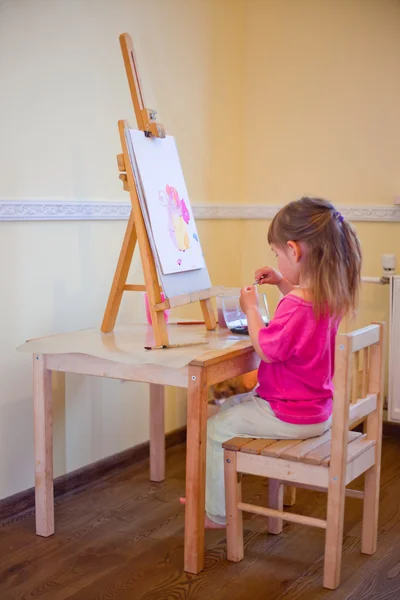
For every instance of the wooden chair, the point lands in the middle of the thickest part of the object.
(327, 463)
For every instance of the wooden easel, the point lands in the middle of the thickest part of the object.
(136, 229)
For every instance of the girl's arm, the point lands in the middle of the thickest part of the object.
(249, 305)
(255, 323)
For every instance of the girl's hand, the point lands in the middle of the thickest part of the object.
(268, 275)
(248, 299)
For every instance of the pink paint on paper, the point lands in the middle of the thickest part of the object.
(178, 217)
(185, 212)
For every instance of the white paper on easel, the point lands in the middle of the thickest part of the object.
(167, 207)
(173, 284)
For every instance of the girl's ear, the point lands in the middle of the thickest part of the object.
(295, 250)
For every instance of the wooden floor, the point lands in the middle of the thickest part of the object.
(123, 539)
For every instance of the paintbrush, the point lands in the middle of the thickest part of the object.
(166, 346)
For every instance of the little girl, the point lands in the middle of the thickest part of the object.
(319, 262)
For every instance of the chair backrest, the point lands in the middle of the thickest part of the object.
(358, 382)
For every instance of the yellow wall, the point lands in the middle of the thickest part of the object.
(61, 63)
(268, 99)
(322, 100)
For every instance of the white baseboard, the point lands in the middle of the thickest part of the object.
(72, 210)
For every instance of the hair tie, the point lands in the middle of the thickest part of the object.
(338, 216)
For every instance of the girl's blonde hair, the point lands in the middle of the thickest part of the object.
(332, 262)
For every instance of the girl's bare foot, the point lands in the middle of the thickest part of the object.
(208, 524)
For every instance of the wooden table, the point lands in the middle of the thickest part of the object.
(120, 355)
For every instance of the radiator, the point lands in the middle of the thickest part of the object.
(394, 350)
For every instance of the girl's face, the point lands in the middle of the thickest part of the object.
(289, 261)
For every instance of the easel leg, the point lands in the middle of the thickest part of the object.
(120, 277)
(159, 327)
(43, 434)
(195, 470)
(208, 314)
(157, 433)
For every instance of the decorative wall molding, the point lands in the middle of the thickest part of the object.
(54, 210)
(267, 212)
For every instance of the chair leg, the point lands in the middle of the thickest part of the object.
(373, 428)
(369, 534)
(275, 500)
(234, 518)
(289, 495)
(334, 536)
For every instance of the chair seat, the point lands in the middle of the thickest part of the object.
(314, 451)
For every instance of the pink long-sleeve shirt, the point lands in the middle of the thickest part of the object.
(297, 382)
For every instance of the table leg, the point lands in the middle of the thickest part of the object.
(43, 435)
(195, 469)
(157, 433)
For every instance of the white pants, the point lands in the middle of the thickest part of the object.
(245, 415)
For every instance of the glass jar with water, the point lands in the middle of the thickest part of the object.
(235, 318)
